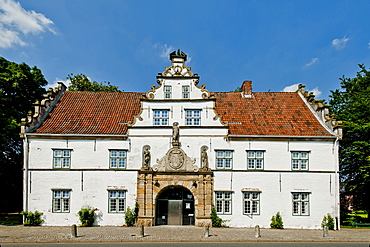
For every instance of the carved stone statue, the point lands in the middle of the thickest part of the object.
(146, 158)
(175, 132)
(204, 159)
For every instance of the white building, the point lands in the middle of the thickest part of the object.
(178, 150)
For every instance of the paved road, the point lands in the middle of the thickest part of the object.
(228, 244)
(163, 234)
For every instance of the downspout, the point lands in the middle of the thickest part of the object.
(25, 162)
(337, 199)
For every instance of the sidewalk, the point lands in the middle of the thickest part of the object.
(22, 234)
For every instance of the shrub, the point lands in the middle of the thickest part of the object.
(87, 216)
(328, 221)
(32, 219)
(216, 221)
(277, 221)
(130, 217)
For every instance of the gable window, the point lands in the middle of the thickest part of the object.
(185, 92)
(61, 201)
(301, 203)
(223, 202)
(251, 202)
(167, 92)
(116, 201)
(300, 161)
(224, 159)
(255, 160)
(192, 117)
(62, 158)
(160, 117)
(117, 159)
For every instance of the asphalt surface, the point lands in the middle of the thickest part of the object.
(63, 234)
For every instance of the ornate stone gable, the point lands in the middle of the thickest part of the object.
(175, 160)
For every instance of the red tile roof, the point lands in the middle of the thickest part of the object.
(92, 113)
(281, 114)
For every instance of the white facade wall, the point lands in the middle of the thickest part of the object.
(90, 177)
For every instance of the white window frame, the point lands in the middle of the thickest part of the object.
(224, 159)
(300, 160)
(161, 117)
(251, 202)
(117, 158)
(255, 159)
(167, 89)
(61, 202)
(300, 203)
(62, 158)
(185, 91)
(117, 201)
(223, 202)
(193, 117)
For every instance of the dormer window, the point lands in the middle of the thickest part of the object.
(160, 117)
(167, 92)
(185, 92)
(192, 117)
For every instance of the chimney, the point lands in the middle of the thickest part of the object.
(247, 89)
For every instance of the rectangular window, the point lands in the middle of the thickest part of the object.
(251, 202)
(117, 159)
(61, 201)
(301, 203)
(300, 161)
(167, 92)
(192, 117)
(223, 202)
(160, 117)
(255, 160)
(61, 158)
(116, 201)
(185, 92)
(224, 159)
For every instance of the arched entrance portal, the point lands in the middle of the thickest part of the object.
(175, 206)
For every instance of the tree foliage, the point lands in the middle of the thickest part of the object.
(351, 104)
(82, 83)
(20, 86)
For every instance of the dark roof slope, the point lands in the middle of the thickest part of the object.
(280, 114)
(92, 113)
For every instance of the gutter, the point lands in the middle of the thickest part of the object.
(76, 135)
(282, 136)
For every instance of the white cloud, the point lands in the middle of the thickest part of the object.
(55, 83)
(291, 88)
(368, 45)
(164, 50)
(340, 43)
(15, 20)
(313, 60)
(294, 87)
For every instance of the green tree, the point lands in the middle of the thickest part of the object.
(82, 83)
(351, 104)
(20, 86)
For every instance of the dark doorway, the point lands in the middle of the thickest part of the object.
(175, 206)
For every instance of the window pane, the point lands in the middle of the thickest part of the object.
(304, 155)
(57, 162)
(259, 164)
(250, 164)
(219, 206)
(58, 153)
(112, 194)
(259, 154)
(121, 205)
(220, 154)
(295, 155)
(113, 205)
(251, 154)
(227, 154)
(227, 163)
(66, 153)
(227, 207)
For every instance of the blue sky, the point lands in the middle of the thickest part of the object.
(275, 44)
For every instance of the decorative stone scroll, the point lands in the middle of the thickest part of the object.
(175, 160)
